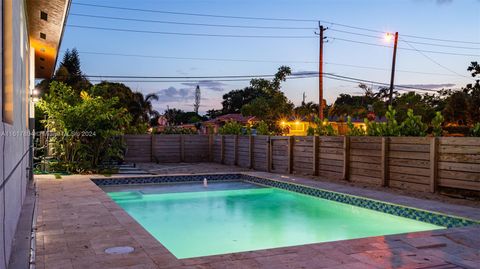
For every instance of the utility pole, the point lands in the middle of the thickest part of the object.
(303, 98)
(392, 78)
(320, 69)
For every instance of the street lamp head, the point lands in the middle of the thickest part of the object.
(388, 37)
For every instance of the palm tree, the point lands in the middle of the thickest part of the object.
(141, 107)
(307, 110)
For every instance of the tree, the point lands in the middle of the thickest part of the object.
(418, 103)
(86, 128)
(359, 106)
(307, 110)
(259, 87)
(70, 73)
(141, 107)
(176, 116)
(213, 113)
(474, 68)
(196, 105)
(270, 104)
(233, 101)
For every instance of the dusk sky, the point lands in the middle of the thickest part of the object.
(457, 20)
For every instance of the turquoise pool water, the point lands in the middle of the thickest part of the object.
(192, 221)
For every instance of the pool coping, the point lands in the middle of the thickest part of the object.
(415, 213)
(75, 213)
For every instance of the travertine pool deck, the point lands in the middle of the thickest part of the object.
(77, 221)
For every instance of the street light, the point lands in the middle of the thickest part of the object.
(388, 38)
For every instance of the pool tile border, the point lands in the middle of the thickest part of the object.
(381, 206)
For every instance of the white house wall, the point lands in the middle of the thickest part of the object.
(14, 139)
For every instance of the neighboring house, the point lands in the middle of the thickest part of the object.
(296, 125)
(299, 126)
(212, 126)
(31, 34)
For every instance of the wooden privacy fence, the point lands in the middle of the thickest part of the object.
(418, 163)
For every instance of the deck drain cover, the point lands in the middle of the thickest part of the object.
(119, 250)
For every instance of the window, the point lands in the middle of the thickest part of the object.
(7, 62)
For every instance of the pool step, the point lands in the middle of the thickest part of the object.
(129, 169)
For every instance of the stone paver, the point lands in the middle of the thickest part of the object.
(77, 221)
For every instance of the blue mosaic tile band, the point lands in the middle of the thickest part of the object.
(393, 209)
(164, 179)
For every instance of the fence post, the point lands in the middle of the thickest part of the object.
(235, 148)
(315, 144)
(152, 147)
(269, 154)
(210, 148)
(182, 148)
(433, 163)
(290, 154)
(384, 167)
(222, 149)
(250, 151)
(346, 158)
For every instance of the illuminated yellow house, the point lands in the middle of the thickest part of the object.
(299, 127)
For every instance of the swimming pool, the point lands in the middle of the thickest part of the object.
(243, 213)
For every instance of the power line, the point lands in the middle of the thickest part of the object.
(256, 61)
(380, 84)
(432, 60)
(189, 81)
(185, 79)
(190, 34)
(193, 24)
(413, 42)
(258, 36)
(178, 77)
(266, 19)
(195, 14)
(193, 58)
(403, 48)
(387, 69)
(254, 27)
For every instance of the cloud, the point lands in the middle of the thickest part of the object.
(207, 84)
(305, 73)
(172, 94)
(429, 86)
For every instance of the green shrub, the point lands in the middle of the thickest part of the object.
(389, 128)
(324, 128)
(231, 128)
(262, 128)
(475, 131)
(413, 125)
(353, 130)
(310, 131)
(176, 130)
(86, 128)
(437, 122)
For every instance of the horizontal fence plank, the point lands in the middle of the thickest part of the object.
(409, 140)
(467, 141)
